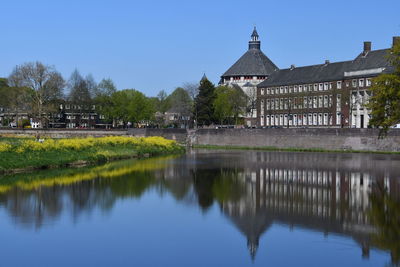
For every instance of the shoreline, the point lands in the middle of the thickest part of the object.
(267, 148)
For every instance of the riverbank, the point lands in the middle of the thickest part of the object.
(27, 154)
(267, 148)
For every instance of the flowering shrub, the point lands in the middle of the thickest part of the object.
(4, 147)
(79, 144)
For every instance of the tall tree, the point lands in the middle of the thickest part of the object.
(163, 104)
(78, 88)
(204, 108)
(180, 102)
(45, 82)
(106, 87)
(385, 99)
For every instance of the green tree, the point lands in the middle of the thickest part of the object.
(385, 100)
(229, 104)
(222, 105)
(180, 102)
(204, 108)
(130, 105)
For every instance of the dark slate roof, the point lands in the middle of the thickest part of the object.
(373, 59)
(253, 62)
(328, 72)
(308, 74)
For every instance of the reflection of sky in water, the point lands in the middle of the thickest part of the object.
(101, 223)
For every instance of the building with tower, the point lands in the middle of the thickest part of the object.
(250, 70)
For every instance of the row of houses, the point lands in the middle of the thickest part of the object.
(83, 116)
(67, 115)
(323, 95)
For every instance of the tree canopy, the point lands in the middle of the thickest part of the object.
(46, 84)
(385, 99)
(229, 104)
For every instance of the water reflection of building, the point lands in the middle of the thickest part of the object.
(288, 190)
(328, 193)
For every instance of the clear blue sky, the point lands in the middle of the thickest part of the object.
(154, 45)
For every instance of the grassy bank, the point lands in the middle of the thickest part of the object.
(19, 154)
(268, 148)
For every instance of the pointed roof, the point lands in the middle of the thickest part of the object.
(253, 63)
(255, 33)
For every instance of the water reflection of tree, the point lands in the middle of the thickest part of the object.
(385, 215)
(217, 184)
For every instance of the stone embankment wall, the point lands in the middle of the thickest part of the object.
(328, 139)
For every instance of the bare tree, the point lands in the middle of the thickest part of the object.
(46, 83)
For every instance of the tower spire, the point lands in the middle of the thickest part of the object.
(254, 42)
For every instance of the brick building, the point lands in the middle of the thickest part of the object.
(324, 95)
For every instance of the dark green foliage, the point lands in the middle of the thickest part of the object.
(204, 108)
(385, 100)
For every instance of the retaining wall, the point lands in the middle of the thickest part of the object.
(329, 139)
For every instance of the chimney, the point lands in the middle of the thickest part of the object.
(396, 40)
(327, 62)
(367, 48)
(292, 67)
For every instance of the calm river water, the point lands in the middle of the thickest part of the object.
(207, 208)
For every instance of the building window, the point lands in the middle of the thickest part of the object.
(361, 82)
(326, 101)
(325, 118)
(319, 118)
(281, 91)
(320, 104)
(338, 118)
(330, 101)
(339, 85)
(338, 102)
(315, 102)
(321, 86)
(262, 91)
(315, 87)
(369, 83)
(330, 86)
(354, 83)
(326, 86)
(295, 88)
(67, 106)
(286, 89)
(300, 88)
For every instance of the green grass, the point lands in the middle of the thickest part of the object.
(12, 161)
(267, 148)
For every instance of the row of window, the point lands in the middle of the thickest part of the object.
(238, 78)
(322, 101)
(313, 87)
(84, 117)
(67, 106)
(310, 119)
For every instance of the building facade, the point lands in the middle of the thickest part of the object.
(325, 95)
(250, 70)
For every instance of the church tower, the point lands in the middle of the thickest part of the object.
(251, 69)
